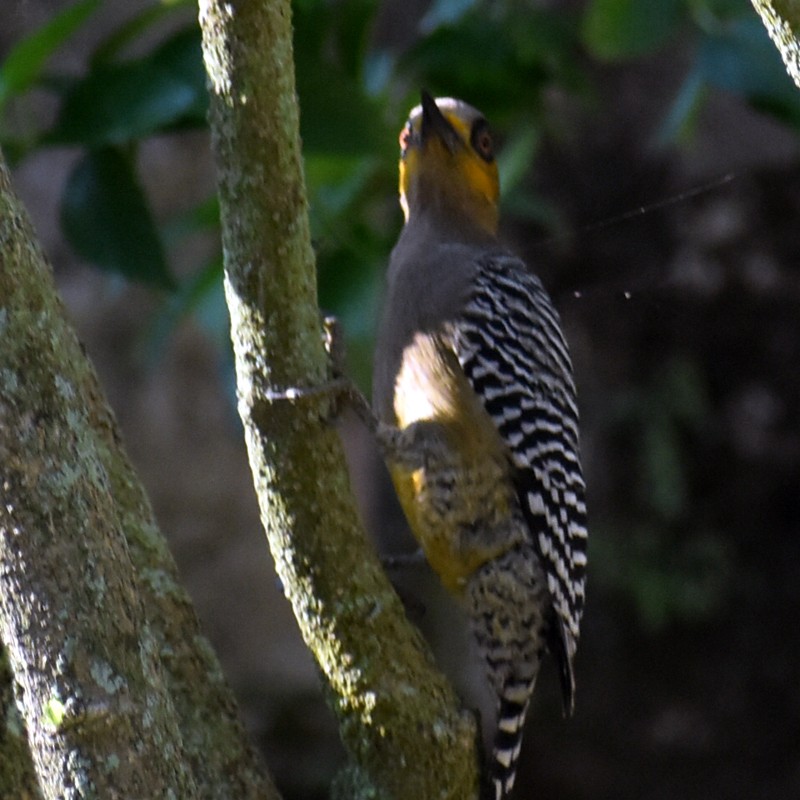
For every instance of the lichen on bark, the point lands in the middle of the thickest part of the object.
(119, 693)
(398, 716)
(781, 18)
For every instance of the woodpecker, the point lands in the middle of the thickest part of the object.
(477, 417)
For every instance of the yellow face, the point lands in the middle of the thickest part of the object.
(447, 157)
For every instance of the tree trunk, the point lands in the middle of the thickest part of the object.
(782, 21)
(119, 692)
(399, 718)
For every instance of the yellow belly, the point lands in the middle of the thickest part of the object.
(464, 486)
(447, 523)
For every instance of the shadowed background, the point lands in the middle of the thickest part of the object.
(684, 323)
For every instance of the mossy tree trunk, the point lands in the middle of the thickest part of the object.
(782, 21)
(118, 692)
(398, 717)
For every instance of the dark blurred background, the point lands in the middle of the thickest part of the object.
(651, 168)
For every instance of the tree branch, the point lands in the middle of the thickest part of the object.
(782, 21)
(120, 693)
(398, 717)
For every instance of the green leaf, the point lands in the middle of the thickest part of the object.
(337, 117)
(141, 23)
(614, 30)
(24, 63)
(118, 103)
(335, 183)
(519, 55)
(743, 60)
(708, 13)
(202, 217)
(444, 12)
(516, 158)
(682, 115)
(199, 295)
(106, 218)
(480, 81)
(352, 27)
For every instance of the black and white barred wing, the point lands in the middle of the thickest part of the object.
(511, 348)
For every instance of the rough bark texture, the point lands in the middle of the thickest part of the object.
(782, 21)
(17, 776)
(118, 690)
(398, 717)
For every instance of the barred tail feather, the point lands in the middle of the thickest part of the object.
(562, 646)
(508, 738)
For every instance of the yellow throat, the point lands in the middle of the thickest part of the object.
(447, 163)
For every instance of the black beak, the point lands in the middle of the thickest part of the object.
(434, 123)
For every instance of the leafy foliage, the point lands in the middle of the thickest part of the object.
(23, 66)
(508, 58)
(120, 103)
(504, 57)
(614, 30)
(106, 217)
(672, 569)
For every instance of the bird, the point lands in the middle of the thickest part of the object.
(476, 417)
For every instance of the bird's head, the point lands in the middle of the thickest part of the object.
(447, 164)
